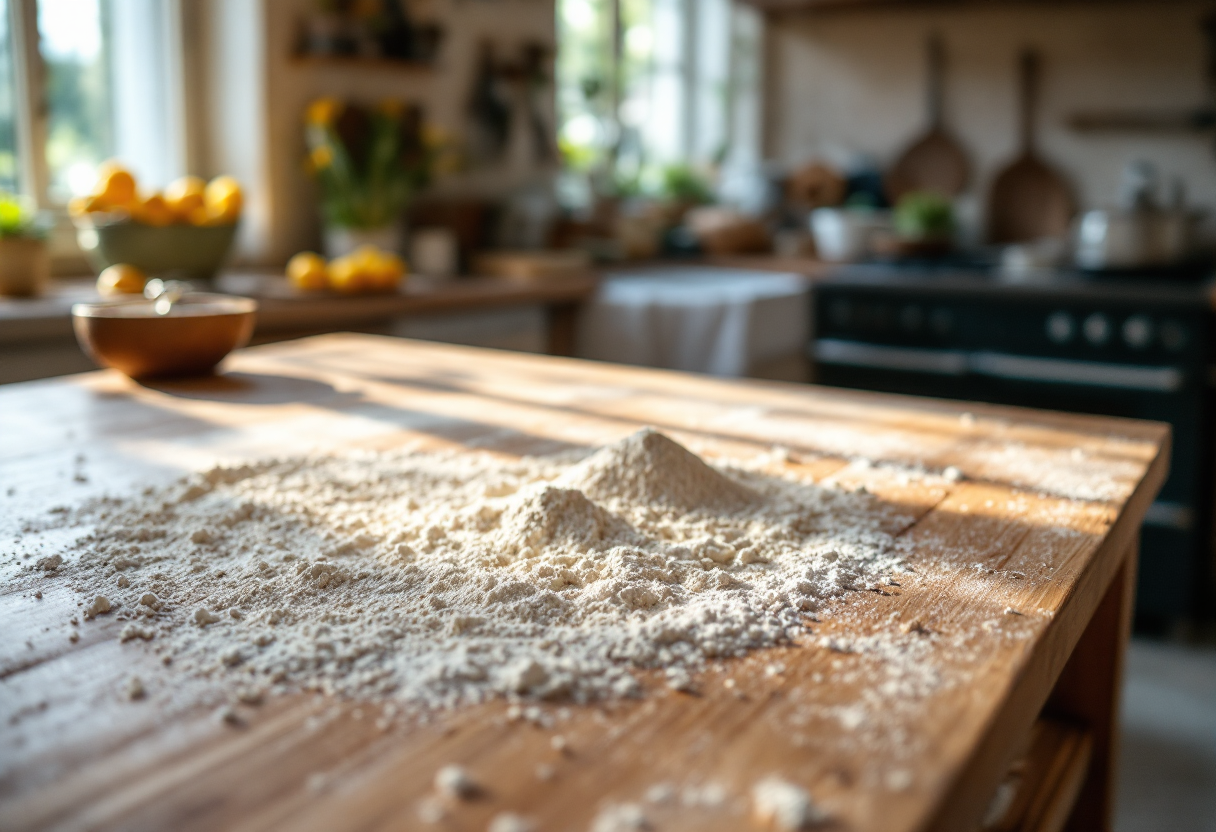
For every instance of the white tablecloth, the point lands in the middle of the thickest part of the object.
(700, 319)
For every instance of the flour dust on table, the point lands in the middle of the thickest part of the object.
(437, 579)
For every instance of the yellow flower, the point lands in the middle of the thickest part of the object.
(433, 135)
(392, 107)
(321, 157)
(447, 162)
(323, 111)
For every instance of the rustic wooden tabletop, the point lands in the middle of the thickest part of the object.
(1026, 552)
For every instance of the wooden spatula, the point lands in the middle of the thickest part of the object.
(1029, 200)
(935, 161)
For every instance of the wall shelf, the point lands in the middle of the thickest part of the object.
(784, 6)
(356, 62)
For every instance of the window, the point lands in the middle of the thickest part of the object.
(643, 84)
(9, 166)
(80, 119)
(82, 81)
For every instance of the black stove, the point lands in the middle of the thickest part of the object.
(1133, 345)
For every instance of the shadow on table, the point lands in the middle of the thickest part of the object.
(246, 388)
(250, 388)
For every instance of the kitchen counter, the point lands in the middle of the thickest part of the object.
(38, 331)
(1013, 609)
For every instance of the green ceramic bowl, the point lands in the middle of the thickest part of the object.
(184, 252)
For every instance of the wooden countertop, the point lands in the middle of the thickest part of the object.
(1009, 566)
(281, 309)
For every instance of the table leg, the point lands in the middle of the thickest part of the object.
(1089, 691)
(563, 322)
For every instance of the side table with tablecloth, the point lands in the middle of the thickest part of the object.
(718, 321)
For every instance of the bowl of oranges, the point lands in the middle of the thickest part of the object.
(366, 270)
(184, 231)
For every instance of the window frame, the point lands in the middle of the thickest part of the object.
(32, 117)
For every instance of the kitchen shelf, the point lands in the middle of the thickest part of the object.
(796, 6)
(359, 63)
(1041, 789)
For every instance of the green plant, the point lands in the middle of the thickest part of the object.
(922, 215)
(18, 220)
(683, 183)
(371, 162)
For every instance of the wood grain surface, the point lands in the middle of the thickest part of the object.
(1007, 567)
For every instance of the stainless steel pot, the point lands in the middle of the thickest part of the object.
(1121, 239)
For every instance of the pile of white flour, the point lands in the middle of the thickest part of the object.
(438, 579)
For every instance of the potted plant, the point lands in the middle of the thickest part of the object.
(25, 265)
(369, 162)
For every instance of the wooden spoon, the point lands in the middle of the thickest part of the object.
(935, 161)
(1029, 200)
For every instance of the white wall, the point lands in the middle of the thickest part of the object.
(854, 81)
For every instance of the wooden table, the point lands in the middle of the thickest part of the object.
(1021, 594)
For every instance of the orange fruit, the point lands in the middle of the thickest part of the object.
(307, 271)
(202, 215)
(184, 195)
(384, 270)
(224, 200)
(121, 279)
(346, 274)
(115, 185)
(154, 211)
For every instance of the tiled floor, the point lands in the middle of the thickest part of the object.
(1167, 771)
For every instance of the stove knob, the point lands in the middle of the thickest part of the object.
(1059, 327)
(1173, 336)
(1097, 329)
(1138, 331)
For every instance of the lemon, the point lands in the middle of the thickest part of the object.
(365, 256)
(121, 279)
(307, 271)
(184, 195)
(81, 205)
(203, 215)
(154, 211)
(115, 185)
(384, 270)
(347, 275)
(224, 200)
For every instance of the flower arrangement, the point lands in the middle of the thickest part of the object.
(370, 162)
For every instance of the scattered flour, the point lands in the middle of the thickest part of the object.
(781, 805)
(511, 822)
(440, 579)
(453, 781)
(620, 817)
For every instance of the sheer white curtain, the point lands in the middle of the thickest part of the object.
(147, 99)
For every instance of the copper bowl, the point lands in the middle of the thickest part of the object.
(191, 339)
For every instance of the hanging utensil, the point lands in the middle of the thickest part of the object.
(1028, 200)
(936, 161)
